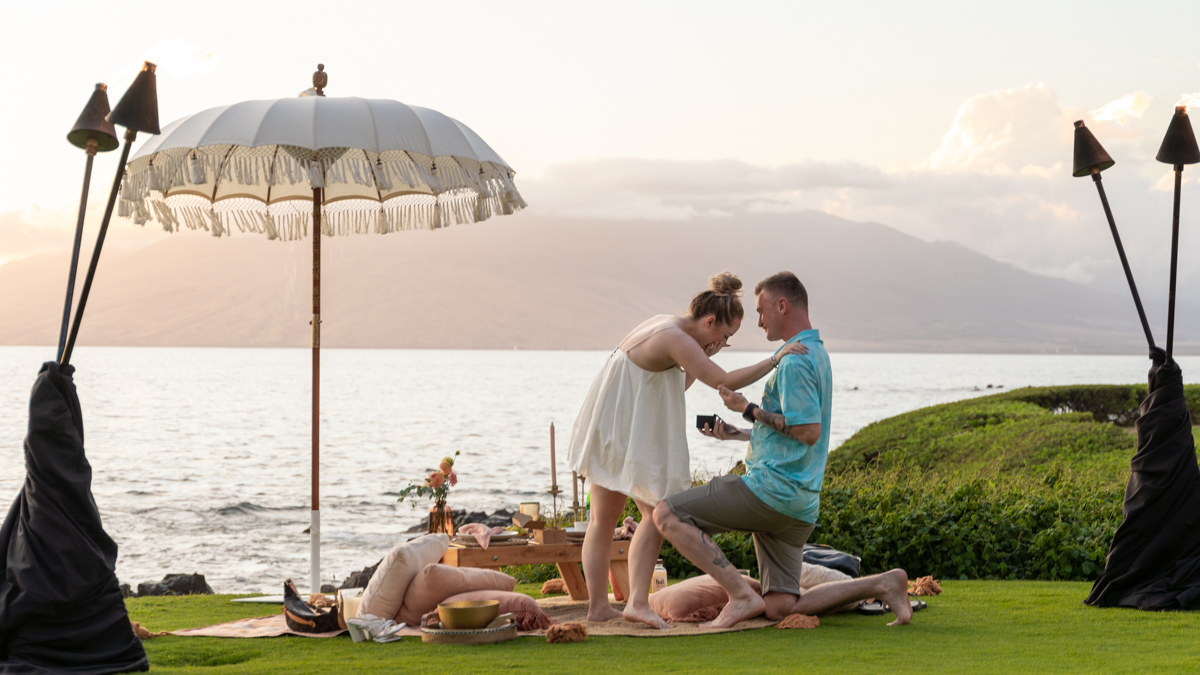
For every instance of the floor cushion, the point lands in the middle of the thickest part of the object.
(385, 593)
(435, 583)
(678, 601)
(526, 610)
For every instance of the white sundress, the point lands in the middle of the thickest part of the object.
(630, 436)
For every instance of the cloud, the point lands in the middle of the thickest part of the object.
(38, 230)
(175, 58)
(999, 182)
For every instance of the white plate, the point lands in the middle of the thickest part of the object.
(495, 537)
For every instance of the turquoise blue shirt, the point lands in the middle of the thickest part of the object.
(785, 473)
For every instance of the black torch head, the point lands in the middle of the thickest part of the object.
(91, 125)
(1090, 156)
(138, 108)
(1179, 145)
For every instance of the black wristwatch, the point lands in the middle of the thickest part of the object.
(748, 414)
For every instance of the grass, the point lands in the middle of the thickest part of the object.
(973, 627)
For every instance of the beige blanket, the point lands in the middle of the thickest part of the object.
(560, 609)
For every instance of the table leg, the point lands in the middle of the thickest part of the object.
(573, 579)
(620, 572)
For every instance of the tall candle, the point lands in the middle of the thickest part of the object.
(574, 489)
(553, 468)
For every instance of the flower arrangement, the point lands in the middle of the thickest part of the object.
(436, 485)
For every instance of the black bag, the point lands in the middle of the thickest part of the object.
(303, 618)
(825, 556)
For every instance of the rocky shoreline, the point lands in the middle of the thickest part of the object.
(194, 584)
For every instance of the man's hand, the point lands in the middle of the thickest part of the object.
(733, 400)
(725, 432)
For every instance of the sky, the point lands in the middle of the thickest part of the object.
(946, 120)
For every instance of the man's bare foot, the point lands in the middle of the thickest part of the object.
(602, 612)
(893, 590)
(738, 611)
(645, 615)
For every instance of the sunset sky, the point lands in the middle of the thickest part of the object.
(947, 120)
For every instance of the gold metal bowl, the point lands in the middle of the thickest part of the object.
(468, 614)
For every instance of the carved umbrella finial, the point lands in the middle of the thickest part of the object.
(320, 79)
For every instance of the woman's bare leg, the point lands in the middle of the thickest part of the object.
(643, 552)
(597, 551)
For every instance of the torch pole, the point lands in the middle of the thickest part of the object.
(1112, 224)
(130, 135)
(87, 182)
(315, 527)
(1174, 262)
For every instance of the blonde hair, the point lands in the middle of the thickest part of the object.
(720, 299)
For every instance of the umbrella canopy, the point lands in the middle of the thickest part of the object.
(349, 165)
(250, 167)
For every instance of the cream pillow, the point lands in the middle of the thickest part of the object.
(385, 592)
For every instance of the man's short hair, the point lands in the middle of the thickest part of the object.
(784, 285)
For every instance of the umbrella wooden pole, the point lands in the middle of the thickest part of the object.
(130, 136)
(315, 527)
(92, 146)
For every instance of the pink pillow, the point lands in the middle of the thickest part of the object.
(435, 583)
(385, 592)
(677, 602)
(529, 615)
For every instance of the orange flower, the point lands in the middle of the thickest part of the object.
(436, 479)
(446, 465)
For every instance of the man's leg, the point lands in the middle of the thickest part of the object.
(891, 587)
(704, 553)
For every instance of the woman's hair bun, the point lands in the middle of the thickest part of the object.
(725, 283)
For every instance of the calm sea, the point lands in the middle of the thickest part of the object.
(201, 456)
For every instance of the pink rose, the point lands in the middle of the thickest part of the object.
(436, 479)
(446, 465)
(453, 479)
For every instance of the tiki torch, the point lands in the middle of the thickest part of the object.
(1178, 148)
(136, 111)
(93, 133)
(1091, 159)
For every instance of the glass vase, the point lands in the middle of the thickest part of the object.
(440, 519)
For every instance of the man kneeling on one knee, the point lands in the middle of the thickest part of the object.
(778, 498)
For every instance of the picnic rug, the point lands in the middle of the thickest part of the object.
(560, 609)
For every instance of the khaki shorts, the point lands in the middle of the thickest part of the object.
(725, 504)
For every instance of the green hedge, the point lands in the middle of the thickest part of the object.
(1056, 526)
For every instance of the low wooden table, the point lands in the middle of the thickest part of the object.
(566, 556)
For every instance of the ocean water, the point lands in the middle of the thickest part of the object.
(200, 457)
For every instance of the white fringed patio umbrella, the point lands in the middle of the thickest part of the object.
(287, 167)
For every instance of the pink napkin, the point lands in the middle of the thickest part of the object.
(482, 533)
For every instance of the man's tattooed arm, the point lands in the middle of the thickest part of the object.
(718, 557)
(801, 432)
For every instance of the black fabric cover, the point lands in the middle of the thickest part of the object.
(1154, 560)
(61, 610)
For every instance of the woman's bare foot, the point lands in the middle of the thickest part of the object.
(602, 612)
(894, 591)
(738, 611)
(644, 614)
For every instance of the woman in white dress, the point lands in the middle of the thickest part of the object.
(629, 438)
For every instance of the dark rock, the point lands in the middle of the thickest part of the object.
(361, 578)
(501, 518)
(457, 514)
(328, 588)
(126, 591)
(176, 584)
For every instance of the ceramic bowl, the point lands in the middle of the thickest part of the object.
(468, 614)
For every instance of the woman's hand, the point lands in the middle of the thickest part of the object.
(712, 348)
(790, 348)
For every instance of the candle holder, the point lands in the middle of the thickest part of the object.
(1178, 148)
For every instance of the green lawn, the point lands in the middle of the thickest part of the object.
(974, 627)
